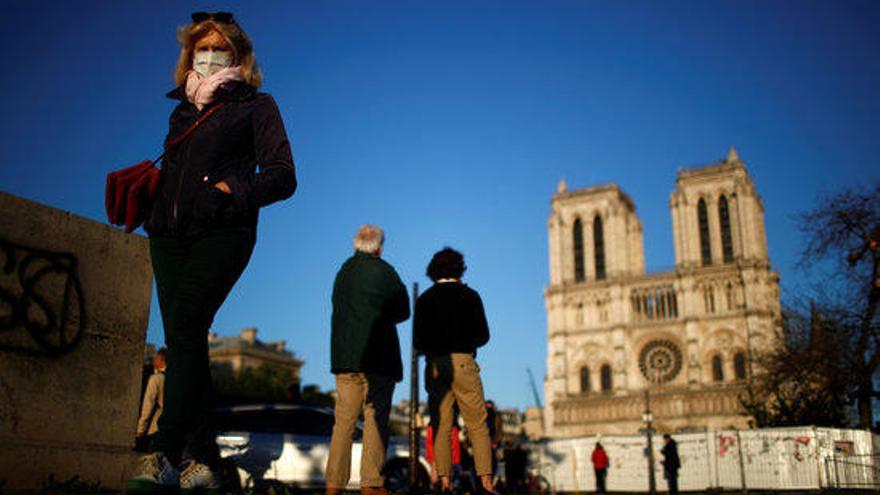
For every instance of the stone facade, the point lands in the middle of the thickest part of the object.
(236, 353)
(686, 335)
(74, 304)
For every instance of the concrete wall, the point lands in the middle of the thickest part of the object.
(74, 304)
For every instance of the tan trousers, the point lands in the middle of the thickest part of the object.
(456, 379)
(371, 394)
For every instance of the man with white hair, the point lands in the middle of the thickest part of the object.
(368, 301)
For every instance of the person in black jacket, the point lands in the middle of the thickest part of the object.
(450, 324)
(671, 463)
(202, 230)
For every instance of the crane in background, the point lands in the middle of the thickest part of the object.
(534, 388)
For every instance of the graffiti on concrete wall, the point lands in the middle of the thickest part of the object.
(42, 310)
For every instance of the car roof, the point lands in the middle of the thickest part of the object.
(273, 407)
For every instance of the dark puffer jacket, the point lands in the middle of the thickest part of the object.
(246, 132)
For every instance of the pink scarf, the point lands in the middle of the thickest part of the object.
(201, 90)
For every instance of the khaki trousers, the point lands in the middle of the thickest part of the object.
(456, 379)
(371, 394)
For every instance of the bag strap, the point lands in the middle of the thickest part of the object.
(179, 139)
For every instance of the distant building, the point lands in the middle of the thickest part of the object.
(512, 426)
(236, 353)
(686, 335)
(534, 423)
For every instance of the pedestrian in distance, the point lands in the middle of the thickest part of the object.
(600, 466)
(671, 463)
(456, 455)
(449, 325)
(368, 301)
(151, 406)
(202, 228)
(493, 422)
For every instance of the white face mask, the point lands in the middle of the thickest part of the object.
(209, 63)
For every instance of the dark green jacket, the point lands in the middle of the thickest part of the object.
(368, 301)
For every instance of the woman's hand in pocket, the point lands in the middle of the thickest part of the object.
(223, 186)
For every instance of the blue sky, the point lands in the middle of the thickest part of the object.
(450, 123)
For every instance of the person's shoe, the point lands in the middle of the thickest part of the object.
(487, 485)
(198, 477)
(155, 474)
(374, 490)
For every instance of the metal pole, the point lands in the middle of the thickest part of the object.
(652, 482)
(742, 464)
(414, 403)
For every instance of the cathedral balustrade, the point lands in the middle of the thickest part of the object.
(656, 302)
(667, 405)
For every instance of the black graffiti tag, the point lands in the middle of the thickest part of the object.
(40, 293)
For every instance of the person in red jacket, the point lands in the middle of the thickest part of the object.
(456, 454)
(600, 465)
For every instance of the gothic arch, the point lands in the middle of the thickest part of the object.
(724, 226)
(599, 247)
(716, 367)
(703, 230)
(606, 378)
(739, 364)
(577, 240)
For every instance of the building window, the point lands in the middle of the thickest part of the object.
(726, 239)
(717, 369)
(705, 246)
(731, 301)
(585, 379)
(739, 366)
(578, 238)
(606, 378)
(599, 247)
(709, 298)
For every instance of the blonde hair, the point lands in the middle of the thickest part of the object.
(369, 239)
(242, 49)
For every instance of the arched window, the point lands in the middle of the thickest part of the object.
(585, 379)
(577, 233)
(726, 239)
(606, 378)
(731, 301)
(705, 246)
(739, 366)
(599, 247)
(717, 369)
(709, 298)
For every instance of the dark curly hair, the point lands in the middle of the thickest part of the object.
(446, 263)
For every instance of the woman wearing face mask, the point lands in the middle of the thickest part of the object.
(202, 230)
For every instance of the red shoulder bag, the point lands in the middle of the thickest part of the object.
(131, 190)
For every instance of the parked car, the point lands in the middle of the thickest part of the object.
(264, 445)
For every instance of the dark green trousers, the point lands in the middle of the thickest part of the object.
(193, 278)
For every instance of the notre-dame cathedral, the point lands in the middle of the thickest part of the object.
(686, 336)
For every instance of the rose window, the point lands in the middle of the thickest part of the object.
(660, 361)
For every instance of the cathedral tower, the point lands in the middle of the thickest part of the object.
(685, 336)
(717, 216)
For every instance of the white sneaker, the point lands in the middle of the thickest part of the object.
(197, 476)
(154, 474)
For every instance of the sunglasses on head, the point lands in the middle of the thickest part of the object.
(223, 17)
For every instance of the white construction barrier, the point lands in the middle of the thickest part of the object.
(802, 458)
